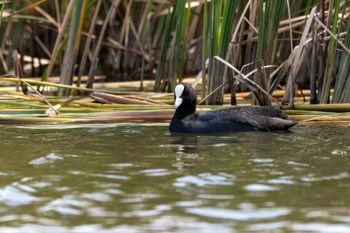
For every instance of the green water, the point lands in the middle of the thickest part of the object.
(142, 179)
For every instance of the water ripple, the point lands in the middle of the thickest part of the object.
(66, 205)
(215, 197)
(172, 223)
(298, 164)
(155, 172)
(146, 213)
(239, 215)
(109, 176)
(339, 152)
(312, 178)
(96, 196)
(17, 194)
(50, 158)
(321, 227)
(121, 165)
(3, 174)
(87, 228)
(261, 160)
(204, 179)
(281, 180)
(269, 226)
(259, 187)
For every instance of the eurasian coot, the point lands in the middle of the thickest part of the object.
(187, 120)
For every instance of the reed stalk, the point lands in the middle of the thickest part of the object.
(221, 26)
(341, 88)
(71, 52)
(163, 55)
(331, 52)
(165, 41)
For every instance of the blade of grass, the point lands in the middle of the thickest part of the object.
(71, 51)
(270, 14)
(296, 59)
(47, 16)
(169, 20)
(340, 89)
(43, 83)
(214, 27)
(87, 125)
(332, 34)
(27, 8)
(180, 42)
(58, 41)
(204, 47)
(221, 19)
(2, 11)
(326, 86)
(291, 88)
(88, 42)
(324, 107)
(244, 78)
(90, 81)
(313, 68)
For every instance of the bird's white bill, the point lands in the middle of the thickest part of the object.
(178, 102)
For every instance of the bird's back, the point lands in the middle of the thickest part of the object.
(235, 119)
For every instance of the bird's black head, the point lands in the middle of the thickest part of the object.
(185, 98)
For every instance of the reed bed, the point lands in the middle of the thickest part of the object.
(296, 51)
(156, 108)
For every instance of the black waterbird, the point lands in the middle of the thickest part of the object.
(234, 119)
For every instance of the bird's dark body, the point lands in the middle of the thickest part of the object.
(187, 120)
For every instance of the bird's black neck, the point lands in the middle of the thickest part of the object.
(183, 111)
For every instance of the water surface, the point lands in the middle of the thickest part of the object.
(142, 179)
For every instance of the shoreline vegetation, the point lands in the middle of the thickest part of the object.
(117, 61)
(128, 105)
